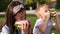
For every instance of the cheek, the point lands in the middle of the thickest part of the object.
(17, 18)
(42, 13)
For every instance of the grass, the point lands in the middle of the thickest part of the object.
(32, 18)
(58, 10)
(1, 19)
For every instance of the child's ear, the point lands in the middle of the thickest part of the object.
(38, 15)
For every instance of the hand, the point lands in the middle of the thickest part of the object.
(54, 14)
(24, 25)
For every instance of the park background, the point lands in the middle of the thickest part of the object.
(30, 5)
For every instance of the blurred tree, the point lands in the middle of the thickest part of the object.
(36, 2)
(48, 1)
(3, 4)
(57, 4)
(29, 1)
(21, 1)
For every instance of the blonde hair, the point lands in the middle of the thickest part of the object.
(38, 8)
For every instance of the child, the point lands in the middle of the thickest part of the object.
(44, 22)
(15, 12)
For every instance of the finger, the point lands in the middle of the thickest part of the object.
(22, 27)
(54, 15)
(54, 12)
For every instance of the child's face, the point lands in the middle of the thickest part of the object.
(43, 10)
(20, 15)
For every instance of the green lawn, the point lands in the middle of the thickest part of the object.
(1, 19)
(58, 10)
(32, 19)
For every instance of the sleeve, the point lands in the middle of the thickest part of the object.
(5, 30)
(38, 22)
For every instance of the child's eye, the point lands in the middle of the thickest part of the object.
(45, 10)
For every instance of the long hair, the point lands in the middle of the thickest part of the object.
(10, 16)
(10, 20)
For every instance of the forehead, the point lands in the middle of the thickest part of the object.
(45, 6)
(42, 7)
(20, 12)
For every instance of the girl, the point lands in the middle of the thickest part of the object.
(15, 12)
(44, 22)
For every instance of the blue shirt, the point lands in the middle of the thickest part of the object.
(40, 22)
(5, 30)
